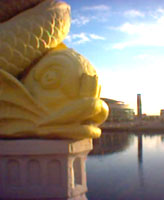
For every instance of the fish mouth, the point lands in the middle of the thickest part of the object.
(76, 120)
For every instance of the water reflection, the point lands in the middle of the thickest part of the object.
(111, 143)
(135, 172)
(140, 160)
(140, 156)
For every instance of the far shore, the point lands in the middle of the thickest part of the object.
(135, 126)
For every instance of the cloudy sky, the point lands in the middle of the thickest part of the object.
(124, 40)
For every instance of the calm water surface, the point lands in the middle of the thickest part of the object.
(126, 167)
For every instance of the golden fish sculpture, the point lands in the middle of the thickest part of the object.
(46, 89)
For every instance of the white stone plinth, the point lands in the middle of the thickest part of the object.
(43, 169)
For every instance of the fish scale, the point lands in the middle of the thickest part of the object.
(24, 39)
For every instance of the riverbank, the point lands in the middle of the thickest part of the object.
(135, 126)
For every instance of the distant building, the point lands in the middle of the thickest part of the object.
(150, 117)
(162, 113)
(139, 106)
(119, 111)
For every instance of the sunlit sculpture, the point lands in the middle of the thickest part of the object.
(46, 89)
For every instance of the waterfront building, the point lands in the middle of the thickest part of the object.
(119, 111)
(162, 114)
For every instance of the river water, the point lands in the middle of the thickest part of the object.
(125, 166)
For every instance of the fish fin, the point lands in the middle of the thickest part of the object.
(61, 46)
(17, 105)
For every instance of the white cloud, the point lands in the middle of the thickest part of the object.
(96, 37)
(100, 13)
(135, 28)
(77, 38)
(160, 10)
(156, 13)
(83, 38)
(143, 56)
(133, 13)
(81, 20)
(123, 45)
(80, 38)
(68, 38)
(97, 8)
(142, 34)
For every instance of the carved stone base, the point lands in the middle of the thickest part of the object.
(43, 169)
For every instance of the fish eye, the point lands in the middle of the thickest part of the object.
(50, 79)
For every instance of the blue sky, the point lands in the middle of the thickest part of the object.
(124, 40)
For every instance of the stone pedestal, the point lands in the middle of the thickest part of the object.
(43, 169)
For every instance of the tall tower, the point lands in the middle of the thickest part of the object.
(139, 106)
